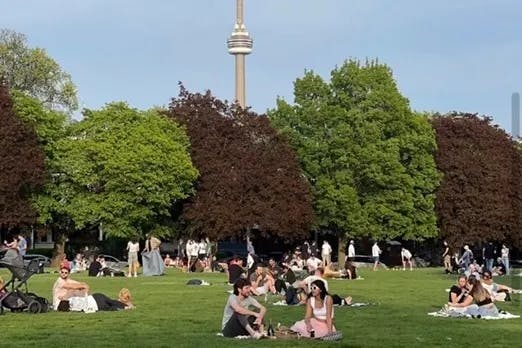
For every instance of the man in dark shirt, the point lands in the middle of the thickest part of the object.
(95, 267)
(459, 292)
(489, 254)
(235, 269)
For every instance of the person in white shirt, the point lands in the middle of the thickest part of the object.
(133, 247)
(406, 257)
(351, 252)
(192, 254)
(376, 252)
(326, 253)
(504, 253)
(313, 263)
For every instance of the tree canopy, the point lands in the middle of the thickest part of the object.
(250, 176)
(121, 168)
(479, 198)
(368, 156)
(21, 165)
(32, 71)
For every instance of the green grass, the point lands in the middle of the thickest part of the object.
(171, 314)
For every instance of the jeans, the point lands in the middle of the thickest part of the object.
(489, 264)
(505, 261)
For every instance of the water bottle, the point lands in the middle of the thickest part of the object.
(270, 332)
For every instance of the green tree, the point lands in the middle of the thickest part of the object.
(121, 168)
(368, 156)
(31, 70)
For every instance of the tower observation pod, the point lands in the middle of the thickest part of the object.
(240, 44)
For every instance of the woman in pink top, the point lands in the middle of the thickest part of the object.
(319, 316)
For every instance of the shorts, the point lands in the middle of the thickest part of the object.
(133, 257)
(376, 259)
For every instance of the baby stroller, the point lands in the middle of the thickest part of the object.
(15, 299)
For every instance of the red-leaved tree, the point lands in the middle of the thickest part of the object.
(480, 196)
(249, 175)
(22, 167)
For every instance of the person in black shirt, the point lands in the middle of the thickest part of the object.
(489, 254)
(459, 292)
(235, 270)
(95, 267)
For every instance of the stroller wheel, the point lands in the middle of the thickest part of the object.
(34, 307)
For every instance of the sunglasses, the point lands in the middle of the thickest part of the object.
(64, 272)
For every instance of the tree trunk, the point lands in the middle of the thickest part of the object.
(341, 249)
(59, 250)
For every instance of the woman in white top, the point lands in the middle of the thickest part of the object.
(318, 321)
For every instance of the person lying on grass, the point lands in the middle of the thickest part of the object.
(305, 287)
(238, 319)
(479, 302)
(97, 302)
(318, 321)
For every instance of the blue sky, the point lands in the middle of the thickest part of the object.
(446, 55)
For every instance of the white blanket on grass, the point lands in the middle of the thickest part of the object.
(445, 314)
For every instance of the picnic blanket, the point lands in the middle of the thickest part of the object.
(445, 313)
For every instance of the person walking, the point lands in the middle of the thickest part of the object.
(489, 254)
(376, 252)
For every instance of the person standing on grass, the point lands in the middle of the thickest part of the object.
(504, 254)
(376, 252)
(238, 318)
(350, 255)
(406, 257)
(22, 244)
(446, 256)
(326, 253)
(489, 255)
(466, 258)
(133, 247)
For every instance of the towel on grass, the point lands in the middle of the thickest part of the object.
(452, 314)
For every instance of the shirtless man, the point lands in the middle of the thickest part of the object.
(65, 287)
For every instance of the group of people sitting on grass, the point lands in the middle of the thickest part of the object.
(282, 280)
(244, 315)
(312, 291)
(476, 294)
(75, 296)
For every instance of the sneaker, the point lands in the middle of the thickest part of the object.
(257, 335)
(135, 276)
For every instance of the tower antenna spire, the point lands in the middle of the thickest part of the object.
(239, 45)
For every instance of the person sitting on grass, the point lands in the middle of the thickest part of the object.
(318, 321)
(459, 292)
(65, 287)
(262, 282)
(479, 302)
(238, 319)
(498, 292)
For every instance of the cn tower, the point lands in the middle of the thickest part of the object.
(240, 44)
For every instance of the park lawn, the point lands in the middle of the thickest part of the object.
(172, 314)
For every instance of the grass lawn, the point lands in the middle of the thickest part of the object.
(171, 314)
